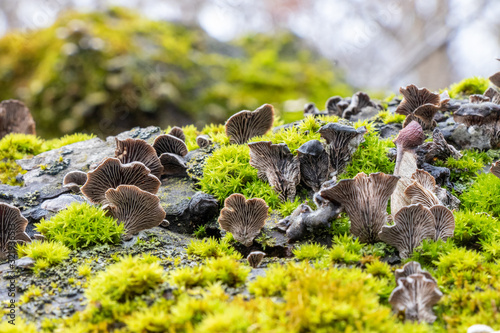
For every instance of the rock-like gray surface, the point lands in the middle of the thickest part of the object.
(61, 202)
(463, 137)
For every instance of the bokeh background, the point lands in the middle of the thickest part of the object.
(106, 66)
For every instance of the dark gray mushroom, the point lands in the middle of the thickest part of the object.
(137, 209)
(203, 141)
(335, 106)
(411, 268)
(12, 229)
(167, 143)
(243, 218)
(255, 258)
(359, 101)
(73, 180)
(310, 109)
(276, 164)
(419, 104)
(470, 114)
(173, 165)
(495, 169)
(313, 161)
(111, 173)
(412, 224)
(493, 95)
(414, 297)
(244, 125)
(342, 141)
(364, 199)
(178, 133)
(15, 117)
(137, 150)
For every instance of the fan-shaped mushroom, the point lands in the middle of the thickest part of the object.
(136, 209)
(412, 224)
(444, 221)
(313, 161)
(342, 141)
(74, 179)
(415, 296)
(12, 229)
(203, 141)
(243, 218)
(365, 201)
(244, 125)
(411, 268)
(418, 194)
(276, 164)
(495, 169)
(255, 258)
(493, 95)
(173, 165)
(178, 133)
(15, 117)
(167, 143)
(137, 150)
(335, 106)
(359, 101)
(111, 173)
(419, 104)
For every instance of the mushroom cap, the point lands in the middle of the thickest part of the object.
(359, 101)
(495, 79)
(137, 150)
(438, 148)
(470, 114)
(411, 136)
(173, 165)
(445, 222)
(310, 109)
(418, 194)
(178, 133)
(244, 125)
(493, 95)
(413, 97)
(74, 179)
(203, 141)
(136, 209)
(276, 164)
(332, 107)
(478, 99)
(415, 296)
(243, 218)
(413, 224)
(411, 268)
(313, 161)
(365, 201)
(15, 117)
(167, 143)
(111, 173)
(495, 169)
(255, 258)
(425, 114)
(12, 228)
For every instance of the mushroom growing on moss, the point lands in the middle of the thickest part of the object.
(364, 199)
(255, 258)
(313, 161)
(73, 180)
(276, 164)
(244, 125)
(111, 173)
(178, 133)
(203, 141)
(137, 150)
(335, 106)
(137, 209)
(15, 117)
(444, 222)
(243, 218)
(411, 268)
(342, 141)
(12, 229)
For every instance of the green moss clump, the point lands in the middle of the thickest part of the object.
(81, 225)
(309, 251)
(20, 326)
(429, 251)
(212, 248)
(472, 229)
(468, 86)
(67, 140)
(45, 254)
(466, 168)
(388, 118)
(482, 195)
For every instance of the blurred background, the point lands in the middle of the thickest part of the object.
(107, 66)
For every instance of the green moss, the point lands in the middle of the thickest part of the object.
(67, 140)
(468, 86)
(20, 325)
(466, 168)
(473, 228)
(30, 294)
(482, 195)
(217, 133)
(81, 225)
(212, 248)
(379, 269)
(388, 118)
(45, 253)
(429, 251)
(309, 251)
(200, 232)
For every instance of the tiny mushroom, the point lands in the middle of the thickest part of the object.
(178, 133)
(255, 258)
(342, 141)
(310, 109)
(364, 199)
(276, 164)
(359, 101)
(335, 106)
(411, 268)
(173, 165)
(167, 143)
(137, 150)
(244, 125)
(243, 218)
(74, 179)
(136, 209)
(203, 141)
(12, 229)
(313, 161)
(15, 117)
(111, 173)
(495, 169)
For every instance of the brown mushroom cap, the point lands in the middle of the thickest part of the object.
(493, 95)
(276, 164)
(313, 161)
(413, 97)
(478, 99)
(495, 79)
(255, 258)
(365, 201)
(244, 125)
(444, 221)
(178, 133)
(112, 173)
(167, 143)
(408, 139)
(495, 169)
(15, 117)
(333, 108)
(137, 150)
(74, 179)
(173, 165)
(359, 101)
(243, 218)
(203, 141)
(12, 228)
(136, 209)
(415, 296)
(413, 224)
(425, 114)
(411, 268)
(418, 194)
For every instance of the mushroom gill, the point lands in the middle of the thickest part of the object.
(137, 150)
(178, 133)
(15, 117)
(255, 258)
(244, 125)
(313, 161)
(167, 143)
(12, 229)
(73, 180)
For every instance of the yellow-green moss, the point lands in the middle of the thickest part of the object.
(468, 86)
(212, 248)
(45, 253)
